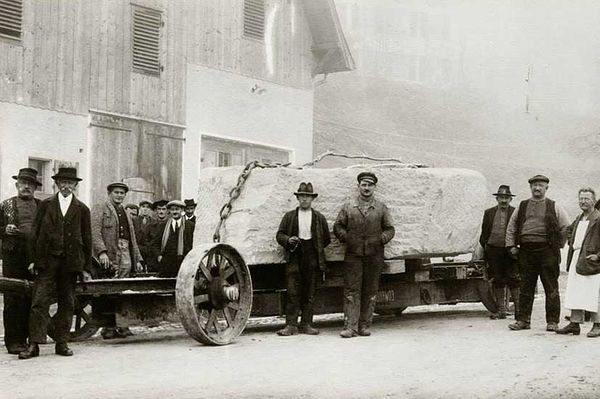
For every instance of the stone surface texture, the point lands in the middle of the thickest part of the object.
(436, 211)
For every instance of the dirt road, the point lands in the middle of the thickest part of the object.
(446, 352)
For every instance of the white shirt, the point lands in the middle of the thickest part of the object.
(64, 203)
(175, 224)
(304, 222)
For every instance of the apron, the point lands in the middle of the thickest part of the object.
(583, 292)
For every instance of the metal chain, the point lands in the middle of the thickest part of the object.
(235, 192)
(361, 156)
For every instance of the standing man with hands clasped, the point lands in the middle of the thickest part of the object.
(535, 234)
(365, 225)
(304, 234)
(63, 250)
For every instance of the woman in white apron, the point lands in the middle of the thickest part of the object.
(583, 290)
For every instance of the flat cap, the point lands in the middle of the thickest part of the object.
(118, 184)
(539, 178)
(369, 176)
(145, 202)
(161, 202)
(178, 203)
(131, 206)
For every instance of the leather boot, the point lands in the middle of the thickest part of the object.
(33, 350)
(16, 348)
(595, 331)
(287, 331)
(308, 329)
(347, 333)
(571, 328)
(515, 292)
(520, 325)
(364, 331)
(62, 349)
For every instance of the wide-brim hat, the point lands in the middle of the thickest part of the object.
(28, 174)
(369, 176)
(178, 203)
(190, 202)
(112, 186)
(161, 202)
(503, 190)
(538, 178)
(306, 189)
(66, 174)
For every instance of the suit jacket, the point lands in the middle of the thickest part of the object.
(9, 214)
(488, 222)
(319, 232)
(188, 237)
(74, 230)
(105, 233)
(590, 245)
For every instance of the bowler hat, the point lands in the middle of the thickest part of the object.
(178, 203)
(161, 202)
(112, 186)
(539, 178)
(369, 176)
(66, 174)
(190, 202)
(306, 189)
(28, 174)
(503, 190)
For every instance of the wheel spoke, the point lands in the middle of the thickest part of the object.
(77, 322)
(234, 305)
(198, 299)
(205, 271)
(226, 271)
(228, 317)
(212, 318)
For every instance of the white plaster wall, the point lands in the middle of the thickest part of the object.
(222, 104)
(31, 132)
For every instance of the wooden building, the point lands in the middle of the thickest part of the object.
(149, 91)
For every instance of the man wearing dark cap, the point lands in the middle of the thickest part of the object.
(502, 267)
(174, 241)
(190, 208)
(153, 231)
(304, 234)
(535, 234)
(141, 224)
(63, 250)
(132, 210)
(114, 242)
(16, 220)
(365, 226)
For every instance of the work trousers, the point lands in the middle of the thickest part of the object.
(52, 282)
(361, 282)
(541, 261)
(503, 269)
(16, 307)
(301, 284)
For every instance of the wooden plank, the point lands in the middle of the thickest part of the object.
(53, 56)
(40, 52)
(95, 40)
(112, 45)
(126, 58)
(103, 45)
(28, 40)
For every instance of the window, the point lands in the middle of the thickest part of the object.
(254, 19)
(10, 18)
(224, 159)
(146, 40)
(44, 168)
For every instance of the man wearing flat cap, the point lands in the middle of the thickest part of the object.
(141, 224)
(153, 231)
(502, 268)
(535, 234)
(114, 242)
(365, 226)
(16, 220)
(304, 234)
(174, 241)
(190, 208)
(63, 250)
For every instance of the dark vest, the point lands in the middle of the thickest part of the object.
(171, 245)
(550, 222)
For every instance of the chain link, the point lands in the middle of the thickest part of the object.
(235, 192)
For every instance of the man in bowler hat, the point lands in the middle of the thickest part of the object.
(173, 241)
(16, 220)
(304, 234)
(502, 267)
(365, 225)
(63, 250)
(190, 208)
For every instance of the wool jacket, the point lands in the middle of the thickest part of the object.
(590, 245)
(488, 222)
(9, 214)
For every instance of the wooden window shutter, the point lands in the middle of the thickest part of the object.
(10, 18)
(254, 19)
(146, 40)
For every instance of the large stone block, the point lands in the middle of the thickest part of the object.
(436, 211)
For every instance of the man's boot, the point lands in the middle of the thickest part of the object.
(500, 294)
(364, 330)
(62, 349)
(595, 331)
(308, 329)
(33, 350)
(16, 348)
(351, 313)
(571, 328)
(287, 331)
(520, 325)
(514, 293)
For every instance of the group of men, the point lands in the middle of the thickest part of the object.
(55, 240)
(523, 244)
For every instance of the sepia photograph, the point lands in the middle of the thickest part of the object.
(299, 199)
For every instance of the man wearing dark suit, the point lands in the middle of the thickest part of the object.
(174, 241)
(502, 266)
(141, 226)
(153, 232)
(16, 220)
(63, 250)
(190, 208)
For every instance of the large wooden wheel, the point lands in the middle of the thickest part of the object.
(214, 294)
(486, 296)
(83, 326)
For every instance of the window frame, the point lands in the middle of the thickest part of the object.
(137, 68)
